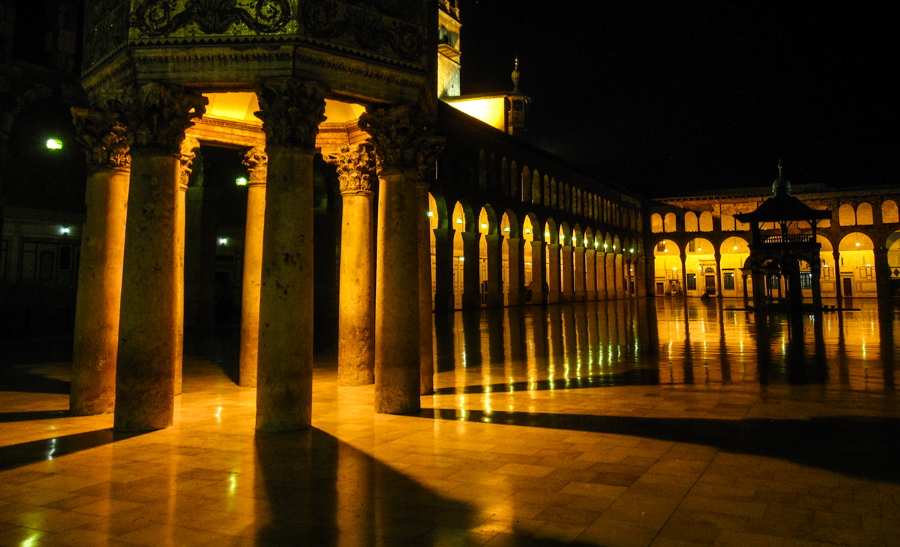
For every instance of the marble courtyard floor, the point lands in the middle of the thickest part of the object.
(630, 423)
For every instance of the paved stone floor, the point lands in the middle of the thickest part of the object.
(617, 424)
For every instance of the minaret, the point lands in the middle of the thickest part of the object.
(448, 49)
(516, 120)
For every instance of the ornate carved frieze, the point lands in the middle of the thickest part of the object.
(291, 112)
(158, 114)
(430, 147)
(189, 147)
(167, 17)
(401, 137)
(102, 135)
(257, 162)
(355, 169)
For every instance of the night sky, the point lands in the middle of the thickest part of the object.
(683, 96)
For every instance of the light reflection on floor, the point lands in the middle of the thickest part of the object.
(626, 423)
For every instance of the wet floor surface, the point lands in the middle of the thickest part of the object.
(631, 423)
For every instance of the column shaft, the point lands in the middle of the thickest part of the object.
(568, 274)
(578, 259)
(426, 316)
(590, 274)
(600, 260)
(93, 389)
(538, 280)
(494, 270)
(443, 269)
(553, 271)
(516, 270)
(397, 365)
(284, 381)
(356, 322)
(471, 276)
(145, 373)
(250, 289)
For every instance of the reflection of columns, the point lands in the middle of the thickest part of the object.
(188, 147)
(157, 116)
(578, 257)
(356, 316)
(590, 274)
(621, 278)
(882, 273)
(257, 165)
(399, 138)
(553, 272)
(471, 296)
(494, 270)
(537, 272)
(93, 388)
(291, 113)
(443, 269)
(600, 265)
(516, 270)
(567, 292)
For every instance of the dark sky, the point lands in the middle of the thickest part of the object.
(684, 96)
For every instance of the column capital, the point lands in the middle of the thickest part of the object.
(291, 111)
(402, 139)
(101, 133)
(257, 162)
(157, 115)
(189, 147)
(355, 169)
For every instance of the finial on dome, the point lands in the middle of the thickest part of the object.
(515, 76)
(781, 186)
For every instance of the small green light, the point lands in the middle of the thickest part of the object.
(54, 144)
(241, 181)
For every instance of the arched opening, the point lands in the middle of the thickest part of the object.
(889, 211)
(864, 214)
(669, 225)
(846, 215)
(667, 268)
(734, 252)
(460, 222)
(700, 268)
(857, 265)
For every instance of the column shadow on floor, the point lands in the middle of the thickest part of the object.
(27, 416)
(317, 490)
(17, 455)
(854, 446)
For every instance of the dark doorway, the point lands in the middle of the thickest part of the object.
(848, 286)
(711, 285)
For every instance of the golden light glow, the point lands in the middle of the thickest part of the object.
(490, 110)
(241, 106)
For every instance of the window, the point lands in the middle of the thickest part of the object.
(806, 280)
(728, 281)
(692, 246)
(691, 282)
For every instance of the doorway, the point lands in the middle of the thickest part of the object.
(848, 286)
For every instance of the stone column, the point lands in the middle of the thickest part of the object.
(156, 117)
(356, 315)
(590, 274)
(578, 258)
(257, 164)
(684, 273)
(537, 273)
(719, 284)
(516, 266)
(611, 293)
(102, 134)
(471, 297)
(495, 270)
(816, 273)
(600, 261)
(553, 271)
(443, 269)
(428, 151)
(882, 273)
(621, 278)
(399, 135)
(188, 147)
(291, 113)
(838, 288)
(567, 292)
(640, 276)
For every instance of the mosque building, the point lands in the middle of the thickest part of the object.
(353, 145)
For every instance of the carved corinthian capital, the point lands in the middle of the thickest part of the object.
(430, 147)
(355, 169)
(101, 133)
(399, 134)
(257, 162)
(158, 114)
(189, 146)
(291, 112)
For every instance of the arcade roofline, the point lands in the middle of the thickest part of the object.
(808, 190)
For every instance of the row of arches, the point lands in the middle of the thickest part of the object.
(490, 258)
(527, 184)
(848, 267)
(862, 214)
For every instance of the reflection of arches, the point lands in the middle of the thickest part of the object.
(864, 214)
(889, 211)
(846, 215)
(669, 224)
(690, 222)
(706, 221)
